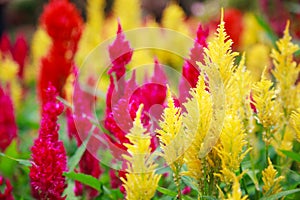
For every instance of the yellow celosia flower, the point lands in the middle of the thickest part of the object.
(219, 52)
(129, 13)
(252, 30)
(286, 70)
(257, 58)
(295, 122)
(173, 18)
(91, 36)
(233, 141)
(267, 106)
(271, 182)
(196, 122)
(170, 135)
(9, 76)
(39, 47)
(141, 180)
(236, 190)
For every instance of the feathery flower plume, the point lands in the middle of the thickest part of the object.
(141, 181)
(267, 107)
(196, 122)
(91, 36)
(8, 127)
(64, 29)
(271, 180)
(48, 158)
(172, 139)
(286, 71)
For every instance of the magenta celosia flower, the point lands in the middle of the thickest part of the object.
(6, 191)
(63, 23)
(48, 157)
(124, 97)
(79, 126)
(190, 69)
(8, 127)
(123, 101)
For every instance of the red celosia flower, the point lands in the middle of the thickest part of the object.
(19, 53)
(190, 69)
(8, 127)
(5, 46)
(63, 23)
(6, 193)
(49, 159)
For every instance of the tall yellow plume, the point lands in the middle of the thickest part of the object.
(91, 36)
(170, 134)
(286, 70)
(196, 122)
(141, 180)
(270, 179)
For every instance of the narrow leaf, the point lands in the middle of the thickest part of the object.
(74, 160)
(166, 191)
(294, 156)
(281, 194)
(85, 179)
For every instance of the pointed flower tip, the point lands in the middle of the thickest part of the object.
(139, 111)
(222, 15)
(119, 27)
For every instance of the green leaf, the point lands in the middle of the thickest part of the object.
(166, 191)
(69, 191)
(281, 194)
(9, 158)
(26, 163)
(85, 179)
(74, 160)
(294, 156)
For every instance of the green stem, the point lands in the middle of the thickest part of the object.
(243, 181)
(177, 180)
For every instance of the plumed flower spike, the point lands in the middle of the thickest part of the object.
(48, 157)
(63, 24)
(268, 108)
(286, 70)
(271, 181)
(141, 181)
(171, 139)
(8, 127)
(219, 52)
(120, 53)
(196, 122)
(233, 142)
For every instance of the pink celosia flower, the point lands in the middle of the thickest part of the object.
(82, 114)
(6, 193)
(48, 158)
(190, 69)
(8, 127)
(125, 96)
(63, 23)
